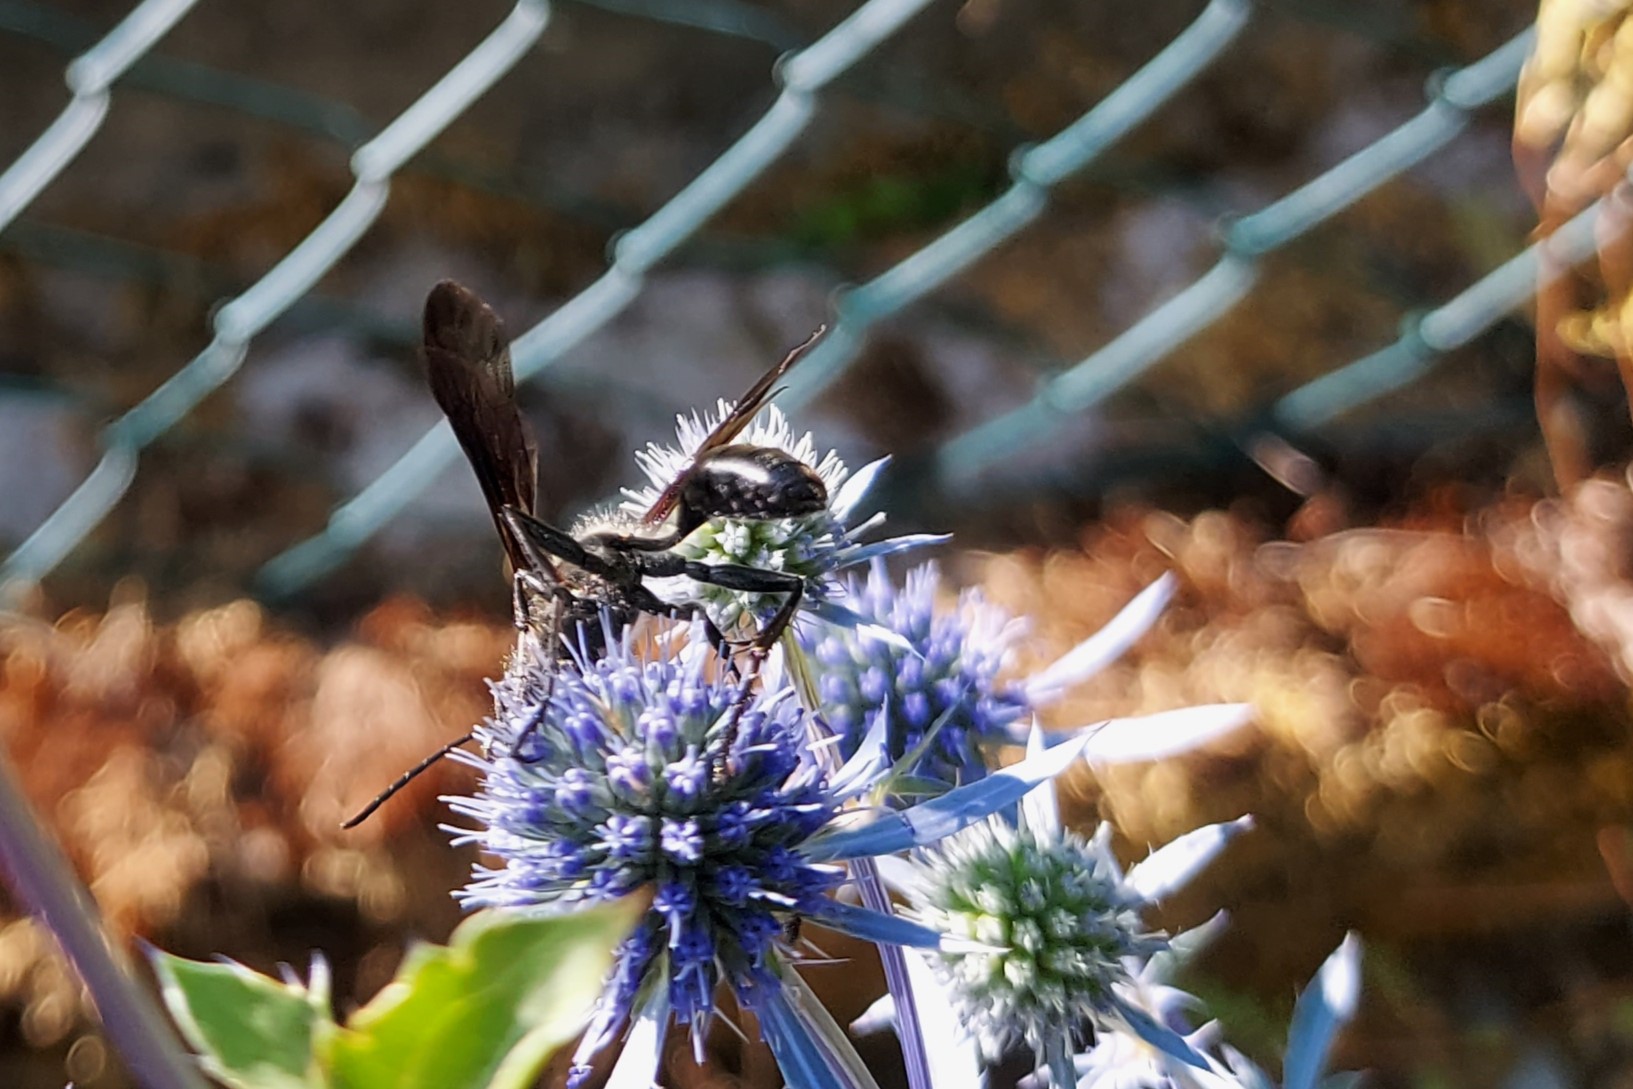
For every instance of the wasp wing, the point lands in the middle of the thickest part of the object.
(742, 411)
(467, 358)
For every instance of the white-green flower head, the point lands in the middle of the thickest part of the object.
(1014, 882)
(813, 546)
(1058, 918)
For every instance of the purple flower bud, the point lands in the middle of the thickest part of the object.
(657, 725)
(688, 777)
(916, 710)
(682, 841)
(628, 837)
(575, 790)
(628, 772)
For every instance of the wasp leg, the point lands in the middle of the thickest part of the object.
(732, 576)
(648, 602)
(724, 648)
(525, 584)
(535, 718)
(550, 638)
(403, 780)
(538, 540)
(755, 580)
(626, 542)
(528, 586)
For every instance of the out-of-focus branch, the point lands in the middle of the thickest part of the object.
(41, 878)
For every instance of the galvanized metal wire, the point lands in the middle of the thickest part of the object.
(89, 77)
(239, 321)
(1245, 241)
(1426, 337)
(1035, 171)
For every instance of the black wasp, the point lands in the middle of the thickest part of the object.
(566, 582)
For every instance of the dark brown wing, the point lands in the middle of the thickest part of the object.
(467, 358)
(744, 410)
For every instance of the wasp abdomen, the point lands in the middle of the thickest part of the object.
(753, 482)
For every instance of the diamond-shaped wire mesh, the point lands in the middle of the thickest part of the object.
(802, 77)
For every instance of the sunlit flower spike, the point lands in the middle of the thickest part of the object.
(621, 788)
(1326, 1005)
(1123, 1059)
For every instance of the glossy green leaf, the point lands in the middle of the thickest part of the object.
(251, 1031)
(487, 1010)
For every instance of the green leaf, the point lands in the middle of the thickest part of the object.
(486, 1011)
(251, 1031)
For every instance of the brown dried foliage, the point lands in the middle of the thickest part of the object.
(1442, 733)
(1438, 743)
(197, 773)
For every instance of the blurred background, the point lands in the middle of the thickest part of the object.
(1419, 571)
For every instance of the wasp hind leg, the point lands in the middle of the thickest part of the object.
(551, 638)
(754, 580)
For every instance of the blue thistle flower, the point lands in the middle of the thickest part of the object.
(625, 784)
(935, 687)
(942, 677)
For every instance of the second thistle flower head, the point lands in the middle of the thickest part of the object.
(623, 781)
(942, 676)
(1058, 922)
(1063, 945)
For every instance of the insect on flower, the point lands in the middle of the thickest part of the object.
(564, 580)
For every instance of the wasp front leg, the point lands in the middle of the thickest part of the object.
(752, 580)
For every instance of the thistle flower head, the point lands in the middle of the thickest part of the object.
(615, 773)
(1058, 921)
(812, 546)
(941, 677)
(1064, 946)
(623, 782)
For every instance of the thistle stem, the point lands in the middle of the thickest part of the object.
(41, 878)
(872, 889)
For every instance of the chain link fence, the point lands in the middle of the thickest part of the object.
(802, 77)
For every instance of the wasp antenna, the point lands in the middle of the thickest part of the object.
(404, 779)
